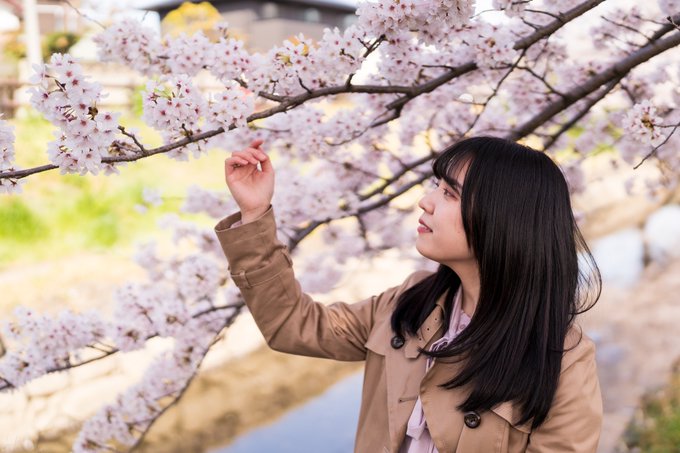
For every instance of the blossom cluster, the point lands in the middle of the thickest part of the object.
(177, 108)
(189, 54)
(231, 60)
(512, 8)
(44, 342)
(141, 312)
(430, 17)
(213, 203)
(6, 145)
(69, 101)
(669, 7)
(297, 64)
(173, 104)
(491, 44)
(8, 185)
(133, 45)
(300, 64)
(643, 124)
(116, 425)
(230, 108)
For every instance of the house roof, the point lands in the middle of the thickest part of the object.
(344, 5)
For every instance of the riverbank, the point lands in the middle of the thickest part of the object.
(225, 402)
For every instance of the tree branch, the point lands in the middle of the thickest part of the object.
(290, 102)
(583, 112)
(614, 72)
(656, 148)
(105, 354)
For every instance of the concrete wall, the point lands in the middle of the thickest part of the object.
(263, 24)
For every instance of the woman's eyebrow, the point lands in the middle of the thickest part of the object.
(456, 187)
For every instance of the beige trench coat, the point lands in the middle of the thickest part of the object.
(394, 378)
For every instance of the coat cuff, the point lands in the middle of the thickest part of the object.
(254, 253)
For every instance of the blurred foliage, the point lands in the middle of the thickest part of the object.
(60, 215)
(19, 222)
(58, 42)
(137, 101)
(14, 48)
(190, 18)
(656, 428)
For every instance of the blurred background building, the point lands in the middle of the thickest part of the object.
(262, 24)
(53, 15)
(30, 31)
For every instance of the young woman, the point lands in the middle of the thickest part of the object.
(481, 356)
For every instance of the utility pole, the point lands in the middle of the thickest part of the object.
(32, 34)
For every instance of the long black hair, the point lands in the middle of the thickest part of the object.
(536, 275)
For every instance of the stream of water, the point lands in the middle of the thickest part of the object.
(325, 424)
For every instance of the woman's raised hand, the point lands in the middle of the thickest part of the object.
(252, 188)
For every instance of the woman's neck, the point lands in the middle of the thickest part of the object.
(469, 282)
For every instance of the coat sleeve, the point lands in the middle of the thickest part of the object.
(574, 421)
(289, 319)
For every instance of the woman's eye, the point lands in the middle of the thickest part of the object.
(447, 193)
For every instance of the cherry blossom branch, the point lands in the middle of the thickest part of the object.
(141, 147)
(626, 27)
(656, 148)
(615, 71)
(160, 413)
(543, 80)
(522, 44)
(236, 307)
(606, 77)
(560, 20)
(494, 92)
(84, 16)
(591, 102)
(406, 168)
(304, 232)
(178, 396)
(290, 102)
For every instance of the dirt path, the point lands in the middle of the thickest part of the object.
(638, 341)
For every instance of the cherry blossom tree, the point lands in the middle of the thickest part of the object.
(418, 75)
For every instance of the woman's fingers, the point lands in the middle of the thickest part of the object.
(246, 155)
(249, 156)
(231, 164)
(257, 153)
(252, 155)
(236, 161)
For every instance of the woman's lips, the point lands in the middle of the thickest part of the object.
(423, 228)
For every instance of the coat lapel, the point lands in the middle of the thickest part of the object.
(440, 405)
(405, 369)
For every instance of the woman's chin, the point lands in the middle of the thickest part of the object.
(422, 249)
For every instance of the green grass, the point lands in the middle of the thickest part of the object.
(58, 215)
(656, 429)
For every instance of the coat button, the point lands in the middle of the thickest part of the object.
(472, 419)
(397, 342)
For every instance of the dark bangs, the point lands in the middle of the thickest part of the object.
(450, 162)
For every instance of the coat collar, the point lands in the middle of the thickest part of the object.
(406, 380)
(431, 329)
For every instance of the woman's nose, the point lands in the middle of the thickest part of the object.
(425, 203)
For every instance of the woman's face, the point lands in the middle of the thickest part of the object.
(441, 236)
